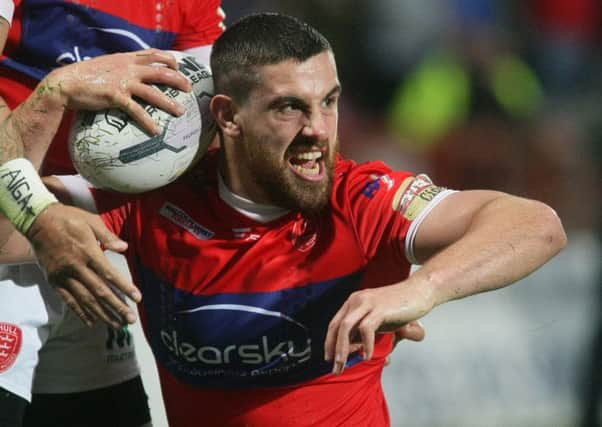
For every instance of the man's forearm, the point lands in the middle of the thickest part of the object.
(508, 238)
(28, 130)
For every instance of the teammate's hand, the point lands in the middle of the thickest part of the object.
(368, 312)
(66, 242)
(112, 81)
(413, 331)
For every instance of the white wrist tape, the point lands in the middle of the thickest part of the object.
(23, 195)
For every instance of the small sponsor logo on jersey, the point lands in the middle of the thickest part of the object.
(118, 339)
(244, 233)
(10, 344)
(119, 345)
(181, 218)
(413, 195)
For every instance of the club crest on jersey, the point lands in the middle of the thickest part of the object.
(181, 218)
(10, 344)
(304, 235)
(376, 183)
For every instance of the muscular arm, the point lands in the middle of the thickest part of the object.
(473, 241)
(477, 241)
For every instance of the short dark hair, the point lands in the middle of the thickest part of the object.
(257, 40)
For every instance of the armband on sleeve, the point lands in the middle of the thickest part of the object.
(23, 195)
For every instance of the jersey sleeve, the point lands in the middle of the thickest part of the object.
(386, 207)
(202, 24)
(113, 208)
(7, 8)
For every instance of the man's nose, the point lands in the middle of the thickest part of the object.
(315, 127)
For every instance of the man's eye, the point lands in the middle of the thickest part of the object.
(287, 108)
(330, 102)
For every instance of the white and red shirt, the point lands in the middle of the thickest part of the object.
(236, 310)
(46, 34)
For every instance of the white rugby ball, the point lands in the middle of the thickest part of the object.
(111, 150)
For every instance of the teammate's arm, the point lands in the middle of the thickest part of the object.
(471, 242)
(81, 272)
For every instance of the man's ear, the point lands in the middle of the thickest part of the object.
(222, 108)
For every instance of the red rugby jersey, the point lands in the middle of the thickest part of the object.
(48, 33)
(236, 311)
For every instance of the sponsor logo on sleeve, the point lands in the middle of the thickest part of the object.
(10, 344)
(413, 195)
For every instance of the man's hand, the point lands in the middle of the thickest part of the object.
(113, 81)
(66, 242)
(368, 312)
(413, 331)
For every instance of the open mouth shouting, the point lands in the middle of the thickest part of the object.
(308, 165)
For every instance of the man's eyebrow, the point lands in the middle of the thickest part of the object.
(334, 91)
(279, 100)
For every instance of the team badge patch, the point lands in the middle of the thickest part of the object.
(376, 183)
(304, 235)
(414, 194)
(10, 344)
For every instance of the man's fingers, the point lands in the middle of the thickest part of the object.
(103, 235)
(84, 316)
(105, 270)
(331, 334)
(93, 301)
(413, 331)
(106, 303)
(164, 76)
(367, 329)
(124, 102)
(343, 337)
(155, 97)
(355, 346)
(150, 56)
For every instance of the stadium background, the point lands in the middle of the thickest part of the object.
(481, 94)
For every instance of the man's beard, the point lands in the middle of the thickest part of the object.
(286, 189)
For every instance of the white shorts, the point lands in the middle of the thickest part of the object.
(39, 333)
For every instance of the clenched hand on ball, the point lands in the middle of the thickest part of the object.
(81, 274)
